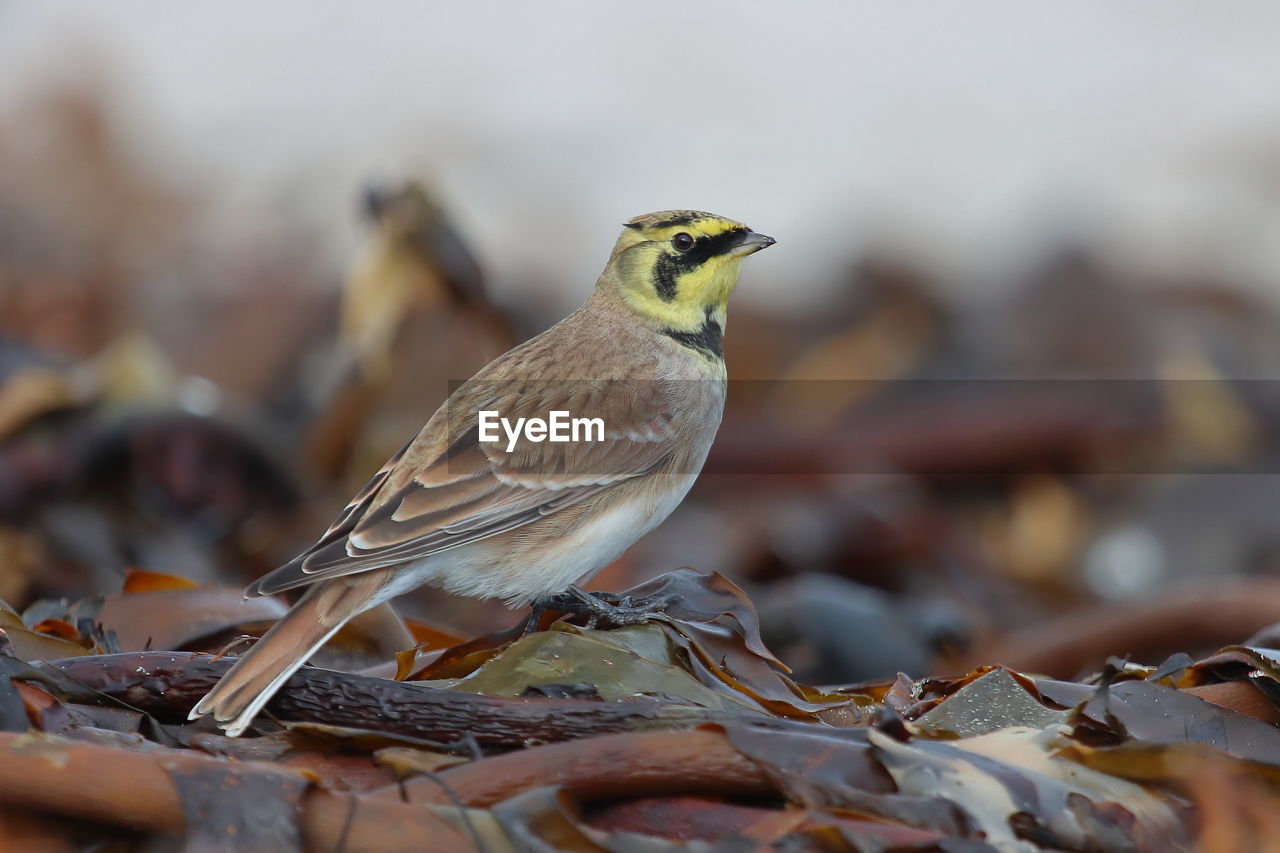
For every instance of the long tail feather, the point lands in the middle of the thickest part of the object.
(247, 687)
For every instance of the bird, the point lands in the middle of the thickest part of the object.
(525, 519)
(416, 261)
(415, 291)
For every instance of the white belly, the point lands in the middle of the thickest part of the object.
(534, 565)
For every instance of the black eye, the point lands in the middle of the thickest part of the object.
(682, 242)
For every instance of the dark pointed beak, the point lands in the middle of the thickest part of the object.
(751, 243)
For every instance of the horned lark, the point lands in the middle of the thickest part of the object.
(523, 518)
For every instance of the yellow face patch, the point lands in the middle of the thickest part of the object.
(677, 265)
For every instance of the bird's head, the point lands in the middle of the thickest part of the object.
(678, 267)
(403, 211)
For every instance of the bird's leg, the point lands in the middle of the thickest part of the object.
(602, 607)
(539, 606)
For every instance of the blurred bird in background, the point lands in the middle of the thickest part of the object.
(416, 262)
(415, 293)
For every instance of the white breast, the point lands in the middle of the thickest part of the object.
(505, 569)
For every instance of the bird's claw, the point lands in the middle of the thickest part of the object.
(601, 608)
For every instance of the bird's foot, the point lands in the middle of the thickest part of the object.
(600, 608)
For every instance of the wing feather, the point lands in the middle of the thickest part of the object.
(446, 488)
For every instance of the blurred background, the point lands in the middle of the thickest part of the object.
(1002, 392)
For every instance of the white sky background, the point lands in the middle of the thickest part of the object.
(966, 131)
